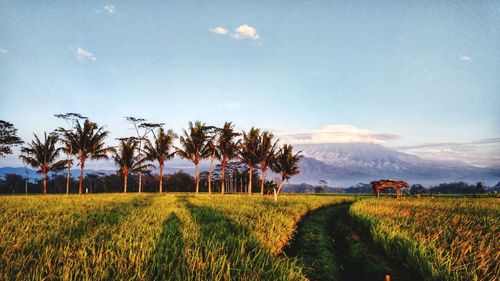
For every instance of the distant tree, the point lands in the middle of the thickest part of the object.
(88, 142)
(480, 188)
(142, 129)
(11, 183)
(269, 186)
(227, 146)
(43, 156)
(266, 155)
(417, 189)
(181, 181)
(127, 160)
(319, 189)
(249, 152)
(195, 146)
(8, 138)
(453, 188)
(65, 135)
(160, 150)
(286, 164)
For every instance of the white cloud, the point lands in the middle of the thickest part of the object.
(335, 134)
(110, 9)
(245, 32)
(84, 55)
(3, 51)
(465, 58)
(242, 32)
(219, 30)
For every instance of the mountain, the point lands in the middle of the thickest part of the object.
(171, 166)
(32, 174)
(344, 164)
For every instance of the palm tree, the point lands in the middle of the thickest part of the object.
(195, 145)
(142, 129)
(212, 151)
(227, 147)
(65, 138)
(88, 142)
(249, 152)
(127, 160)
(160, 149)
(42, 156)
(266, 155)
(286, 164)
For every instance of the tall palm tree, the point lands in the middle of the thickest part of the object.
(212, 151)
(42, 156)
(195, 145)
(65, 138)
(160, 149)
(142, 129)
(227, 147)
(127, 159)
(286, 164)
(266, 155)
(249, 152)
(88, 142)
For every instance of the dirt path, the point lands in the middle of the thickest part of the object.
(331, 246)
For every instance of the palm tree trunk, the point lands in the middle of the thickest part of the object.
(125, 176)
(140, 182)
(280, 186)
(250, 179)
(140, 173)
(210, 174)
(223, 176)
(67, 176)
(161, 177)
(80, 186)
(197, 179)
(44, 182)
(279, 190)
(276, 193)
(262, 181)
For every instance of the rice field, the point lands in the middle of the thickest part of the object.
(151, 237)
(443, 238)
(236, 237)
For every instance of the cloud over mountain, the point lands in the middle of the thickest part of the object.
(336, 134)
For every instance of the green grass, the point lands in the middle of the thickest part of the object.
(315, 246)
(151, 237)
(443, 238)
(241, 237)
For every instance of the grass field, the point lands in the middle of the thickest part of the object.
(148, 237)
(444, 238)
(237, 237)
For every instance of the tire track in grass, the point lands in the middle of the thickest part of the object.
(331, 247)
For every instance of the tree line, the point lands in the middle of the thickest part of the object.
(152, 145)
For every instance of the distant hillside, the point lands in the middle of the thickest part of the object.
(345, 164)
(32, 174)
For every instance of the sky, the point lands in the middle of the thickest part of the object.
(419, 76)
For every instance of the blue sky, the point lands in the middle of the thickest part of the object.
(425, 72)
